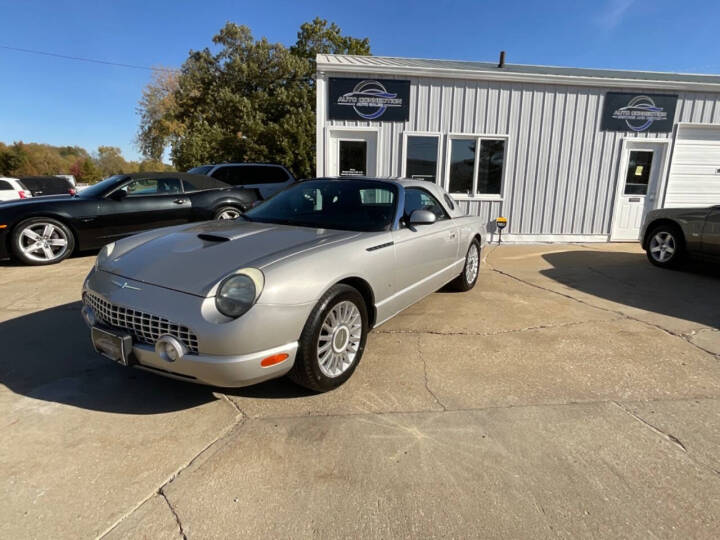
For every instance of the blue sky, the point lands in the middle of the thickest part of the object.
(59, 101)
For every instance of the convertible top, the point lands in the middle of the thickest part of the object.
(200, 181)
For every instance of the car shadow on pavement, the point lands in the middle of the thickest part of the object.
(691, 292)
(47, 355)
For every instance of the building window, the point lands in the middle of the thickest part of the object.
(490, 168)
(462, 165)
(421, 157)
(637, 178)
(475, 166)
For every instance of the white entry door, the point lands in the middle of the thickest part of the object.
(352, 153)
(642, 163)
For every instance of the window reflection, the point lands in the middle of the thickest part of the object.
(421, 161)
(462, 165)
(492, 158)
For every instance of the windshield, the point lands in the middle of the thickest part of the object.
(96, 190)
(350, 205)
(201, 170)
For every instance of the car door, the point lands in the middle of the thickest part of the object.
(425, 253)
(711, 233)
(148, 203)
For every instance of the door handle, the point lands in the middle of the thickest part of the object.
(180, 201)
(453, 235)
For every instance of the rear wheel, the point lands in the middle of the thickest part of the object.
(228, 212)
(666, 246)
(41, 241)
(333, 340)
(468, 278)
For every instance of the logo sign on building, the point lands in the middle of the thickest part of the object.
(649, 113)
(368, 99)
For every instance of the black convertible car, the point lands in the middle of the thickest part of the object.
(47, 230)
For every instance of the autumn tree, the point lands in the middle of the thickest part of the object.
(252, 100)
(110, 161)
(28, 159)
(159, 125)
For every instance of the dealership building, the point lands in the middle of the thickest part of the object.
(564, 154)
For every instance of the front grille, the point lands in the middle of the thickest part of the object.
(143, 326)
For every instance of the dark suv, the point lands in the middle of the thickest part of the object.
(41, 186)
(265, 179)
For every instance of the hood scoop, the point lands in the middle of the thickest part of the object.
(213, 237)
(227, 234)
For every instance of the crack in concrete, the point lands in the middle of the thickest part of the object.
(234, 405)
(669, 436)
(174, 513)
(224, 434)
(425, 374)
(684, 337)
(471, 409)
(497, 333)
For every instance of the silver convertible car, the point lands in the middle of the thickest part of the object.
(292, 287)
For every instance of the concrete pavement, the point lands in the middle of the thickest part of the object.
(575, 392)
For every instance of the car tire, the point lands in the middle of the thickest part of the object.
(468, 278)
(666, 246)
(51, 239)
(228, 212)
(332, 341)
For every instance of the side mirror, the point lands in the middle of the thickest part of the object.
(422, 217)
(118, 195)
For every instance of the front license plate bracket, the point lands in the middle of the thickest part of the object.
(113, 345)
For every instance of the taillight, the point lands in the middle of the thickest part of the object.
(73, 191)
(22, 194)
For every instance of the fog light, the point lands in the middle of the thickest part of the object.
(88, 316)
(170, 349)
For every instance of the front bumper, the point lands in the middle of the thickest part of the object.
(228, 354)
(224, 371)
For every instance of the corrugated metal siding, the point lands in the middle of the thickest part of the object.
(560, 169)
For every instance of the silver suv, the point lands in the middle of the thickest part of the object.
(265, 179)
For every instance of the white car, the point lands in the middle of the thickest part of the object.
(11, 189)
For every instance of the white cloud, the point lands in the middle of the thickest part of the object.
(613, 13)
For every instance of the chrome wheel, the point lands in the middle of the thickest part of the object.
(229, 213)
(472, 264)
(662, 246)
(339, 339)
(43, 242)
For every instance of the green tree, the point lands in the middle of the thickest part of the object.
(90, 172)
(252, 100)
(317, 37)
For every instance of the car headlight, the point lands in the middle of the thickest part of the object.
(104, 254)
(238, 293)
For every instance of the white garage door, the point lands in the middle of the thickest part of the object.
(695, 169)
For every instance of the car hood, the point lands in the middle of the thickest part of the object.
(37, 200)
(194, 258)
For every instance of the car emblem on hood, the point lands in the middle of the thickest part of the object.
(126, 285)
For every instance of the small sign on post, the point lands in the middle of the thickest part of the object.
(500, 223)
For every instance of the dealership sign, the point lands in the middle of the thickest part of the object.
(368, 99)
(652, 113)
